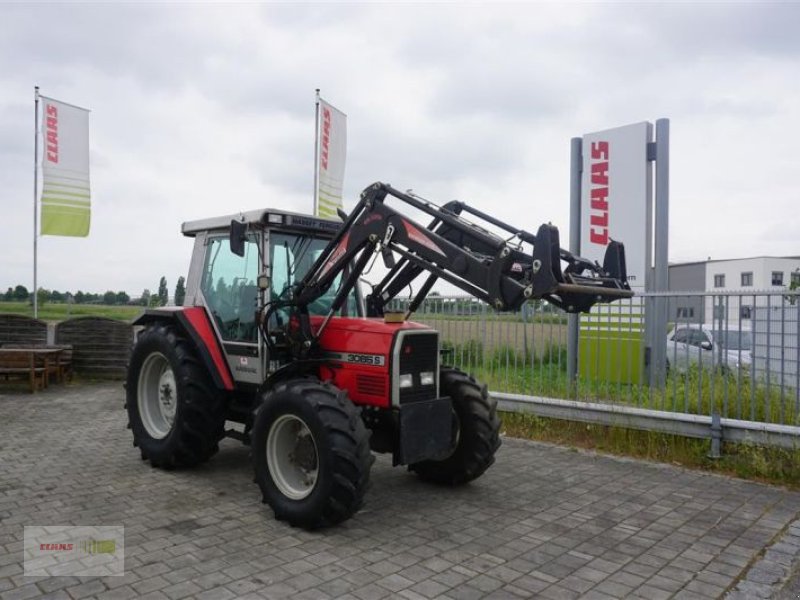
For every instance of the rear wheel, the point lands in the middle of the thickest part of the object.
(477, 432)
(310, 453)
(176, 414)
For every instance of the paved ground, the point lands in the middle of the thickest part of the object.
(543, 522)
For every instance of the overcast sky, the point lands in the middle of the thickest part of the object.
(203, 110)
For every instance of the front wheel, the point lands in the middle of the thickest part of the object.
(477, 432)
(310, 453)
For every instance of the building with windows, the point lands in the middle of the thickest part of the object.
(739, 285)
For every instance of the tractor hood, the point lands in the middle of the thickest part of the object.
(364, 325)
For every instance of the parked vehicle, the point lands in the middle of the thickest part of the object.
(275, 335)
(707, 346)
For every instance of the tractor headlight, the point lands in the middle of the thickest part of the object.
(406, 381)
(427, 378)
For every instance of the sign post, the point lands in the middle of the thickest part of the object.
(614, 200)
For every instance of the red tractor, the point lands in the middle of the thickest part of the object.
(277, 341)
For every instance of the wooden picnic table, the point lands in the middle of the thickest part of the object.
(35, 363)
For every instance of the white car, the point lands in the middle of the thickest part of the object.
(707, 346)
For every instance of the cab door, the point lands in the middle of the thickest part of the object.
(231, 294)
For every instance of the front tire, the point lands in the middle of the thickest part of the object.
(477, 432)
(310, 453)
(176, 414)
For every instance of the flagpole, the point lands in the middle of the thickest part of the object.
(35, 197)
(316, 156)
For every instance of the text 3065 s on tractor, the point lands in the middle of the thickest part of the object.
(275, 335)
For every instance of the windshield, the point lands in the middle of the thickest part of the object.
(291, 256)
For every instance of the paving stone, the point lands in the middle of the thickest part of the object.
(51, 584)
(614, 589)
(556, 592)
(22, 592)
(181, 590)
(542, 522)
(120, 593)
(429, 588)
(371, 592)
(57, 595)
(150, 585)
(84, 590)
(463, 592)
(395, 582)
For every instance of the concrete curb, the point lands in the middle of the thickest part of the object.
(770, 573)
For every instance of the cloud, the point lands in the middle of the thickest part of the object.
(201, 110)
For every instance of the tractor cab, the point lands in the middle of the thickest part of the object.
(243, 263)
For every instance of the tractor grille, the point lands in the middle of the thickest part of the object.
(371, 385)
(419, 353)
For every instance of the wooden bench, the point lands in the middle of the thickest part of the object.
(22, 363)
(59, 365)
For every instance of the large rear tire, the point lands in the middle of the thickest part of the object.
(174, 410)
(477, 432)
(311, 453)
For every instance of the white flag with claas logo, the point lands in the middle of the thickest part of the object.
(66, 199)
(332, 148)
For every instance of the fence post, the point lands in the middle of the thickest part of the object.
(716, 436)
(573, 321)
(658, 314)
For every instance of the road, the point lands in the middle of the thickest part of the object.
(544, 521)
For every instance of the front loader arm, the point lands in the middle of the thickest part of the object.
(504, 272)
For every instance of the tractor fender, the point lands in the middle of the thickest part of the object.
(194, 322)
(308, 367)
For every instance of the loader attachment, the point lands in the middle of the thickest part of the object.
(504, 269)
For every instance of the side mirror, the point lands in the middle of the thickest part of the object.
(705, 345)
(238, 236)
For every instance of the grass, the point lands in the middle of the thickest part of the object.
(770, 465)
(62, 312)
(544, 373)
(494, 317)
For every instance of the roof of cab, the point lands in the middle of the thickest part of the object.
(259, 218)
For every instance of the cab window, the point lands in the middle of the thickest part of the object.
(230, 290)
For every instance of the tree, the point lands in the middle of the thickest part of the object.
(180, 291)
(122, 298)
(109, 297)
(163, 294)
(145, 299)
(56, 296)
(794, 284)
(42, 296)
(21, 293)
(9, 295)
(222, 288)
(80, 297)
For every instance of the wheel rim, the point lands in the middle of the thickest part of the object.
(292, 457)
(157, 395)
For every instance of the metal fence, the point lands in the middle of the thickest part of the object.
(729, 361)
